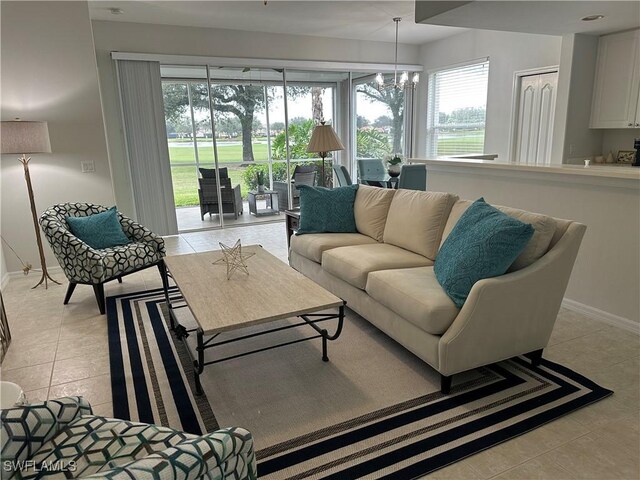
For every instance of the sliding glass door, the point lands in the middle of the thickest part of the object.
(246, 125)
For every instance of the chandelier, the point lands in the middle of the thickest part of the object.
(403, 79)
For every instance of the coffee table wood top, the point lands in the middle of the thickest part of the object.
(271, 291)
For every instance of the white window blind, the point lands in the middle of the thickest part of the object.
(456, 110)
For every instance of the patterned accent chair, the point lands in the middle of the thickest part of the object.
(62, 438)
(85, 265)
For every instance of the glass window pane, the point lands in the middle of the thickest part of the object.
(178, 123)
(379, 120)
(456, 110)
(185, 185)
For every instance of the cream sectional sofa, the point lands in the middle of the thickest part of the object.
(385, 273)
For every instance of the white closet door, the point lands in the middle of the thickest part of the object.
(548, 86)
(537, 100)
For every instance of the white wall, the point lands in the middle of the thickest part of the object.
(573, 139)
(49, 73)
(614, 140)
(508, 53)
(166, 39)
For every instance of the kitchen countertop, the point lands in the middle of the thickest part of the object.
(598, 170)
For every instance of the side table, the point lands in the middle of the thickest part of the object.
(271, 197)
(293, 221)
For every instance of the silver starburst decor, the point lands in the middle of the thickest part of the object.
(233, 258)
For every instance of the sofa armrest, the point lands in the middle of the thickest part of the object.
(24, 429)
(511, 314)
(226, 453)
(140, 233)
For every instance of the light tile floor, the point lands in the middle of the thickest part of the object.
(189, 218)
(62, 350)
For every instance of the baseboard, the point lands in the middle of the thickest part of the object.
(34, 273)
(602, 316)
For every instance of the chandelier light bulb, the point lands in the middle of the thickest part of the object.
(404, 77)
(379, 79)
(416, 78)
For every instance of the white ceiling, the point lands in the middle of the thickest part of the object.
(533, 16)
(358, 20)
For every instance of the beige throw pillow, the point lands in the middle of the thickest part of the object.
(371, 208)
(416, 220)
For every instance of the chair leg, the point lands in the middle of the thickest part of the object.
(119, 279)
(163, 275)
(445, 384)
(535, 357)
(99, 291)
(70, 289)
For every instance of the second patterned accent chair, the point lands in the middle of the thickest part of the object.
(85, 265)
(63, 434)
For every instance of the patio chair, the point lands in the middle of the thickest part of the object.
(83, 264)
(302, 175)
(413, 177)
(208, 195)
(342, 174)
(370, 168)
(64, 432)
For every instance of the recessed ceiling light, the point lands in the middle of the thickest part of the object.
(591, 18)
(116, 11)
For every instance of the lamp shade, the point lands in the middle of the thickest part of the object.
(324, 139)
(24, 137)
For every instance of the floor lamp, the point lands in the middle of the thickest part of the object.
(25, 138)
(324, 140)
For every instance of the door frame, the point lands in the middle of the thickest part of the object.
(515, 103)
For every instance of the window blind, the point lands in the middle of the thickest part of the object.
(456, 110)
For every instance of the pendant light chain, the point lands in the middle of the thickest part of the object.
(404, 77)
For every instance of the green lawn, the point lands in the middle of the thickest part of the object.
(226, 153)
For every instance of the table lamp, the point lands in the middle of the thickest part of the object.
(26, 138)
(324, 140)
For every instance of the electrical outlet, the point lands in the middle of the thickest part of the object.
(87, 166)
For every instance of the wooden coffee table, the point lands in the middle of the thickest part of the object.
(272, 291)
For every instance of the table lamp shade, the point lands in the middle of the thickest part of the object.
(324, 139)
(24, 137)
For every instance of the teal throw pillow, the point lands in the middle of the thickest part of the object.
(327, 210)
(100, 230)
(483, 244)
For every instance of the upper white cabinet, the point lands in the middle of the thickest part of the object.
(616, 94)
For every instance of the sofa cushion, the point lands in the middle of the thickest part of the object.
(353, 264)
(371, 208)
(544, 230)
(327, 209)
(312, 246)
(416, 220)
(483, 244)
(415, 295)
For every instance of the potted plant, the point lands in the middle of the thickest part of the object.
(394, 164)
(260, 179)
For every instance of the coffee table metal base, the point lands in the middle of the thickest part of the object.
(311, 319)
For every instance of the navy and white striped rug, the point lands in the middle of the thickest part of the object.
(373, 411)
